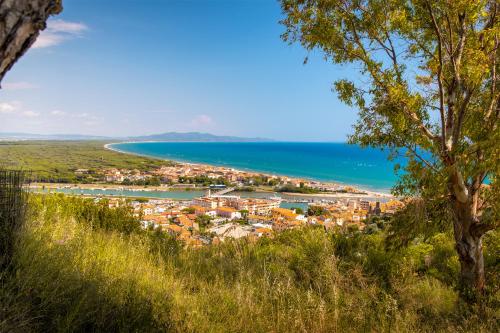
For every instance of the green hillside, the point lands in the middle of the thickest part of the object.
(82, 267)
(56, 161)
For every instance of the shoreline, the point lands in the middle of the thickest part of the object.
(367, 192)
(154, 189)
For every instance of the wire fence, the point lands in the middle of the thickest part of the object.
(13, 204)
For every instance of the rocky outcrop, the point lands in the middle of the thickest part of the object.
(20, 24)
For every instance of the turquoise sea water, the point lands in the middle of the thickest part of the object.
(335, 162)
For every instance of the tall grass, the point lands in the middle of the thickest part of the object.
(74, 276)
(80, 279)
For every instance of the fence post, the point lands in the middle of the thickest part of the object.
(13, 200)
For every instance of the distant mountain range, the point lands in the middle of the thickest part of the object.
(194, 137)
(169, 136)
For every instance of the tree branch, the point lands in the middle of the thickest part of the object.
(423, 160)
(461, 114)
(439, 77)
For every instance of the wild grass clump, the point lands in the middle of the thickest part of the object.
(79, 274)
(77, 278)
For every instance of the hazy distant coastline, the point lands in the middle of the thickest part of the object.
(162, 137)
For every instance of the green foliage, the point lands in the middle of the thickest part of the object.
(316, 211)
(298, 210)
(87, 211)
(203, 180)
(428, 90)
(79, 279)
(295, 189)
(418, 218)
(273, 182)
(203, 220)
(428, 81)
(188, 210)
(491, 245)
(57, 161)
(163, 245)
(72, 276)
(149, 181)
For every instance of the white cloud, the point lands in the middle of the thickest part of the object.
(57, 113)
(58, 31)
(16, 109)
(202, 121)
(30, 114)
(66, 27)
(22, 85)
(8, 107)
(48, 39)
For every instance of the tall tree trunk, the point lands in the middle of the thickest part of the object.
(469, 248)
(20, 24)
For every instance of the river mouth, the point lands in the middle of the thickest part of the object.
(288, 200)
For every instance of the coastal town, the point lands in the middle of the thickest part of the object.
(216, 217)
(234, 203)
(189, 175)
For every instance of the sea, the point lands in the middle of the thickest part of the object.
(342, 163)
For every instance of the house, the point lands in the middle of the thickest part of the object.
(199, 210)
(228, 213)
(176, 230)
(148, 209)
(283, 214)
(254, 219)
(287, 224)
(263, 232)
(186, 222)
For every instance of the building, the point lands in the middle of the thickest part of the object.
(259, 219)
(364, 205)
(228, 213)
(148, 209)
(253, 206)
(186, 223)
(283, 214)
(377, 211)
(257, 206)
(286, 224)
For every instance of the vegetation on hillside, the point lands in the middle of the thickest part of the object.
(57, 161)
(78, 267)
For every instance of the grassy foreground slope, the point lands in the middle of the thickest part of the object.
(57, 161)
(80, 267)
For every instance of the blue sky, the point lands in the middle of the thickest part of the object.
(134, 67)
